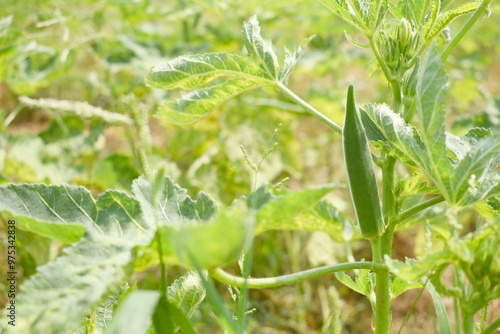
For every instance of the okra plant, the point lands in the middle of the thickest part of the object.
(159, 224)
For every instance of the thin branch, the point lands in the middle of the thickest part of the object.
(310, 109)
(417, 208)
(270, 282)
(458, 37)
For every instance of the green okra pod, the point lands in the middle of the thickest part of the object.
(360, 172)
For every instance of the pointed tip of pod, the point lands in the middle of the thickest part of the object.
(351, 101)
(350, 89)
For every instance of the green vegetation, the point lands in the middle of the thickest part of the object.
(114, 114)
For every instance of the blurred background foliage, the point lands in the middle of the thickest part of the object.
(99, 51)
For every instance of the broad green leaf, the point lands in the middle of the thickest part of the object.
(377, 11)
(413, 270)
(134, 314)
(197, 104)
(489, 209)
(430, 99)
(193, 71)
(59, 212)
(57, 298)
(364, 282)
(187, 293)
(282, 212)
(477, 255)
(392, 135)
(399, 286)
(291, 60)
(443, 320)
(207, 245)
(324, 217)
(174, 205)
(95, 267)
(259, 49)
(417, 11)
(103, 313)
(408, 186)
(121, 216)
(80, 109)
(431, 18)
(341, 8)
(259, 69)
(477, 171)
(447, 17)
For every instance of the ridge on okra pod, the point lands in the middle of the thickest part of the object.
(360, 171)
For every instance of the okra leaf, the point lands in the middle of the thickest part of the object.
(413, 270)
(342, 9)
(259, 49)
(197, 243)
(194, 71)
(103, 313)
(76, 281)
(399, 286)
(58, 212)
(447, 17)
(364, 282)
(291, 60)
(292, 211)
(116, 228)
(431, 18)
(376, 13)
(134, 314)
(432, 86)
(391, 134)
(475, 178)
(417, 11)
(243, 73)
(80, 109)
(197, 104)
(489, 209)
(187, 293)
(174, 205)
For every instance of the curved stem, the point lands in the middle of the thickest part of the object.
(381, 62)
(310, 109)
(458, 37)
(270, 282)
(417, 208)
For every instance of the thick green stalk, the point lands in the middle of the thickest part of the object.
(271, 282)
(382, 307)
(468, 323)
(458, 37)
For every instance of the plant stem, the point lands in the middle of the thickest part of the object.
(396, 91)
(310, 109)
(381, 62)
(458, 37)
(260, 283)
(382, 307)
(491, 328)
(417, 208)
(468, 323)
